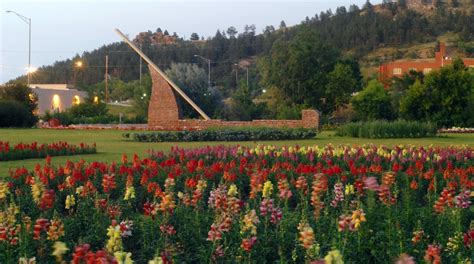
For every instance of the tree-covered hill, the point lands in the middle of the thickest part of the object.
(355, 31)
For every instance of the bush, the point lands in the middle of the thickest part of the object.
(90, 113)
(373, 103)
(15, 114)
(22, 114)
(224, 135)
(384, 129)
(445, 97)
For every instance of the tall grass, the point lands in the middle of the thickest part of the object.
(385, 129)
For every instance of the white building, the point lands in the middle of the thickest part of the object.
(56, 97)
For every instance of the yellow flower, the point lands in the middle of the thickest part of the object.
(201, 186)
(349, 189)
(249, 222)
(27, 261)
(232, 190)
(333, 257)
(156, 260)
(59, 248)
(123, 257)
(3, 190)
(267, 189)
(79, 190)
(167, 203)
(358, 216)
(114, 243)
(37, 190)
(70, 201)
(129, 193)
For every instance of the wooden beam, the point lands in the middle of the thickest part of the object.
(175, 87)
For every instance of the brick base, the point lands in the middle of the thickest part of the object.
(164, 113)
(163, 108)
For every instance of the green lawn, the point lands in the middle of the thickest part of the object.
(111, 145)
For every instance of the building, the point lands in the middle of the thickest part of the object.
(399, 67)
(56, 97)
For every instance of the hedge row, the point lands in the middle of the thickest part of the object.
(385, 129)
(224, 135)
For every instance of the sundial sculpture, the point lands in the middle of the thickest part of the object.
(164, 108)
(164, 112)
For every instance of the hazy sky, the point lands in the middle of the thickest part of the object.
(63, 28)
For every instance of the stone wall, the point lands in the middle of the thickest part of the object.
(310, 120)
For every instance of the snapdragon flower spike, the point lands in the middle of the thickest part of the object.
(248, 243)
(214, 233)
(338, 194)
(463, 199)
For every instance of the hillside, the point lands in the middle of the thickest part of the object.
(371, 35)
(457, 48)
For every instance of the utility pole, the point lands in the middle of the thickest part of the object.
(140, 68)
(236, 74)
(247, 76)
(106, 78)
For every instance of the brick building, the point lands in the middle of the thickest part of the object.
(399, 67)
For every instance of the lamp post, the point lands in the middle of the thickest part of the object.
(27, 20)
(209, 68)
(77, 66)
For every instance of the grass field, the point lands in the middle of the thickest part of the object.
(111, 145)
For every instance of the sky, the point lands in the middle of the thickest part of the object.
(63, 28)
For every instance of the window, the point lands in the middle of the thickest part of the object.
(427, 70)
(397, 71)
(76, 100)
(56, 104)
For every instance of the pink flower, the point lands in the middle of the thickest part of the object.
(214, 233)
(405, 259)
(371, 184)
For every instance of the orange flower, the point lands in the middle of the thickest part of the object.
(306, 235)
(432, 254)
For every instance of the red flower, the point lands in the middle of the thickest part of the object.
(248, 243)
(108, 182)
(432, 254)
(47, 199)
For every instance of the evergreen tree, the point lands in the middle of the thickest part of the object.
(194, 36)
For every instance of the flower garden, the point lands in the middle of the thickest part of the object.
(223, 204)
(34, 150)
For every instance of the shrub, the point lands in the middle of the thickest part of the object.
(15, 114)
(373, 102)
(385, 129)
(24, 96)
(445, 97)
(231, 134)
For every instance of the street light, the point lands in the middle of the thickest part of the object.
(27, 20)
(209, 68)
(77, 65)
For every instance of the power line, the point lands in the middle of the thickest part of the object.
(131, 51)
